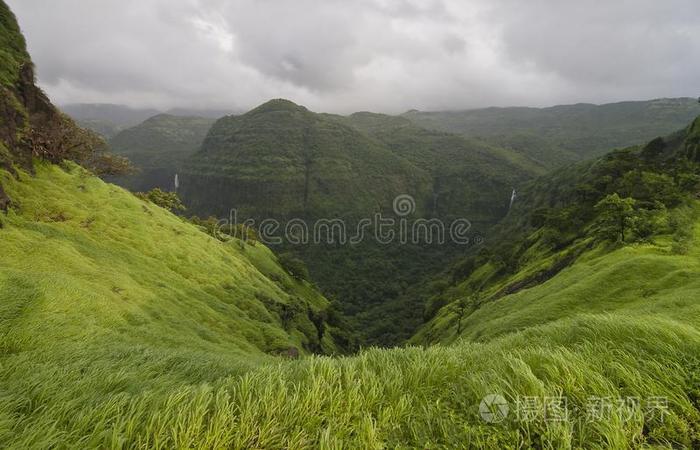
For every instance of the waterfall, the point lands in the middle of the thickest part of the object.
(512, 199)
(177, 182)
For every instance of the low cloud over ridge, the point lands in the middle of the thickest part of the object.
(382, 55)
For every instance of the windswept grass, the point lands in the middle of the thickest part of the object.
(104, 296)
(124, 327)
(640, 280)
(411, 397)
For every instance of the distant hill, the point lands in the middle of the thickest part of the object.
(469, 177)
(158, 147)
(208, 113)
(282, 160)
(562, 134)
(107, 119)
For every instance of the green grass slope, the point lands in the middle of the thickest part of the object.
(632, 282)
(77, 250)
(104, 296)
(158, 147)
(416, 398)
(125, 387)
(124, 327)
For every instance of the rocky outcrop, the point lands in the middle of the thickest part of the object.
(30, 125)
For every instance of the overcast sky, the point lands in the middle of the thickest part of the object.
(349, 55)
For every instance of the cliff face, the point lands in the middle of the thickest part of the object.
(30, 125)
(25, 111)
(28, 120)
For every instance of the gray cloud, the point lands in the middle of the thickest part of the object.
(383, 55)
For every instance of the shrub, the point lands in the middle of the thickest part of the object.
(168, 200)
(294, 266)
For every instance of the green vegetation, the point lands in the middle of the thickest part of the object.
(123, 325)
(157, 357)
(167, 200)
(158, 147)
(468, 178)
(556, 136)
(281, 160)
(294, 266)
(114, 249)
(641, 195)
(614, 216)
(13, 50)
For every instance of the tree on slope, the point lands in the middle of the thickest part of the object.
(614, 216)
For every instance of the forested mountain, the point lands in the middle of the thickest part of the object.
(157, 148)
(282, 160)
(469, 177)
(563, 134)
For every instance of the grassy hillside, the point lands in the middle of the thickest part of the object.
(91, 255)
(158, 147)
(562, 134)
(642, 195)
(111, 339)
(636, 281)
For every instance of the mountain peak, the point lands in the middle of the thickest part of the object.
(279, 104)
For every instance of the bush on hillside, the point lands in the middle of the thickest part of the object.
(294, 266)
(168, 200)
(223, 231)
(60, 138)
